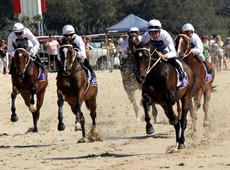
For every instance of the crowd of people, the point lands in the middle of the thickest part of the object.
(212, 49)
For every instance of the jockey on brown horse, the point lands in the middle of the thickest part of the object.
(196, 45)
(22, 37)
(69, 36)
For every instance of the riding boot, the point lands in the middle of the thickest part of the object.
(178, 68)
(39, 63)
(209, 69)
(88, 66)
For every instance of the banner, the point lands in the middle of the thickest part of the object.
(17, 6)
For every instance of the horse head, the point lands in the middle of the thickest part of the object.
(133, 42)
(67, 56)
(182, 45)
(22, 60)
(146, 57)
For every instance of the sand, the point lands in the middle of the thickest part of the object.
(125, 144)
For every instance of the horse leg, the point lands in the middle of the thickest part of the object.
(32, 106)
(14, 117)
(36, 114)
(199, 96)
(146, 103)
(207, 96)
(183, 121)
(60, 103)
(130, 91)
(154, 112)
(80, 119)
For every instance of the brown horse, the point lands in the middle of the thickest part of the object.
(128, 72)
(202, 83)
(25, 81)
(159, 86)
(74, 88)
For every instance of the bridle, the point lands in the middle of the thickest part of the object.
(188, 50)
(26, 64)
(150, 67)
(65, 49)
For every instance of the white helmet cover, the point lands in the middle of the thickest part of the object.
(68, 29)
(154, 25)
(134, 29)
(18, 27)
(188, 27)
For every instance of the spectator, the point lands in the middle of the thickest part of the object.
(52, 49)
(226, 48)
(218, 52)
(212, 40)
(87, 40)
(3, 55)
(206, 47)
(111, 49)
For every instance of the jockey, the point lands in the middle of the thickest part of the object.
(22, 37)
(68, 33)
(196, 44)
(124, 45)
(163, 42)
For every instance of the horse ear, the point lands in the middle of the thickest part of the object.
(59, 41)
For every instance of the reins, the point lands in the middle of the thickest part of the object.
(186, 53)
(150, 59)
(29, 58)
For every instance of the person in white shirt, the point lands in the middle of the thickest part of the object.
(22, 37)
(68, 33)
(196, 44)
(163, 42)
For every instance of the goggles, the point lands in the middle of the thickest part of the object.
(18, 33)
(68, 35)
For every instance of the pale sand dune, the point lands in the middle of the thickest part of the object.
(125, 145)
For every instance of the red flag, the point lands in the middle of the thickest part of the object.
(43, 4)
(16, 6)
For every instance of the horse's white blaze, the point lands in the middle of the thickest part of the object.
(20, 54)
(179, 46)
(65, 54)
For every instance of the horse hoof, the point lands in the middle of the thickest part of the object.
(205, 124)
(149, 130)
(82, 140)
(33, 108)
(181, 146)
(35, 130)
(61, 127)
(174, 122)
(14, 118)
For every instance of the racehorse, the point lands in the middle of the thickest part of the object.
(25, 80)
(74, 88)
(202, 83)
(159, 86)
(128, 72)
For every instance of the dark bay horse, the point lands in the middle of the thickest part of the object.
(159, 86)
(25, 80)
(202, 84)
(74, 88)
(128, 74)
